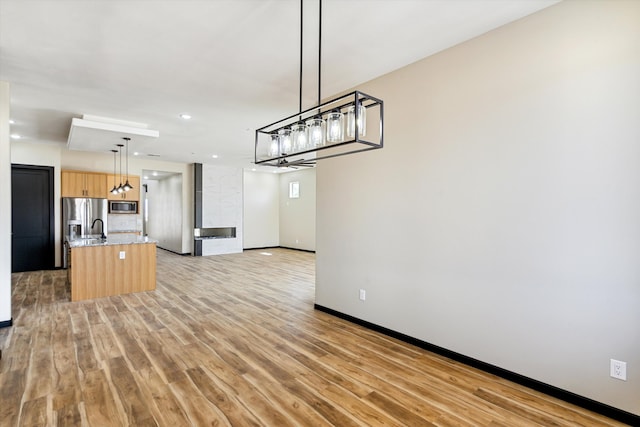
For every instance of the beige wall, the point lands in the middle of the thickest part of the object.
(500, 221)
(261, 210)
(5, 205)
(298, 216)
(271, 218)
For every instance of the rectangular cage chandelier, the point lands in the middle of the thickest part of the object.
(348, 124)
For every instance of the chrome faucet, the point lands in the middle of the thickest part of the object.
(102, 236)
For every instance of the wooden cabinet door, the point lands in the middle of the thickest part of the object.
(83, 184)
(110, 185)
(110, 181)
(96, 185)
(72, 184)
(132, 195)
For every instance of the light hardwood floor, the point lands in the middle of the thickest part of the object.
(234, 340)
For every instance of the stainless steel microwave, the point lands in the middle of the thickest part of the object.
(118, 207)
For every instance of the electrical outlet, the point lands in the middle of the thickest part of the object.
(618, 370)
(122, 255)
(363, 295)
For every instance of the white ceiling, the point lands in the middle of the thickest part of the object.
(231, 64)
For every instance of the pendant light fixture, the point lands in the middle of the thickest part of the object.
(333, 128)
(114, 190)
(127, 186)
(120, 188)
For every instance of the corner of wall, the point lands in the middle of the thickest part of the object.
(5, 204)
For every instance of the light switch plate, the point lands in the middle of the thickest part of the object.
(122, 255)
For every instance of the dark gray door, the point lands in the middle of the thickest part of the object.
(32, 223)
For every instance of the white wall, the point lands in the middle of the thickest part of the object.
(261, 210)
(5, 205)
(165, 212)
(501, 220)
(222, 207)
(298, 216)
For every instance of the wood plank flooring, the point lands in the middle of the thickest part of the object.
(233, 340)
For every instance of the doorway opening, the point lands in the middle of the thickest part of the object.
(161, 209)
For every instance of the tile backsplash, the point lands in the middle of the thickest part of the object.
(124, 222)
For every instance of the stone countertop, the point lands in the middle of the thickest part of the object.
(112, 239)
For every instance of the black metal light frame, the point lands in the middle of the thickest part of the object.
(357, 144)
(308, 156)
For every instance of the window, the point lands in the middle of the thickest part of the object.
(294, 190)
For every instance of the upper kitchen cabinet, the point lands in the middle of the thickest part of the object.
(133, 194)
(83, 184)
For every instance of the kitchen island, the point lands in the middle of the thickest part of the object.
(116, 265)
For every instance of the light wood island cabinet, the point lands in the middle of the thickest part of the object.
(107, 269)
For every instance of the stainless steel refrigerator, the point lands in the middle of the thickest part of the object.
(78, 214)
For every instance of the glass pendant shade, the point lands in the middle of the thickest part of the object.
(274, 146)
(299, 132)
(127, 186)
(335, 126)
(315, 127)
(285, 140)
(356, 120)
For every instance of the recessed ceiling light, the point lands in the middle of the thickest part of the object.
(253, 170)
(15, 136)
(12, 122)
(215, 156)
(145, 177)
(136, 153)
(185, 116)
(155, 174)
